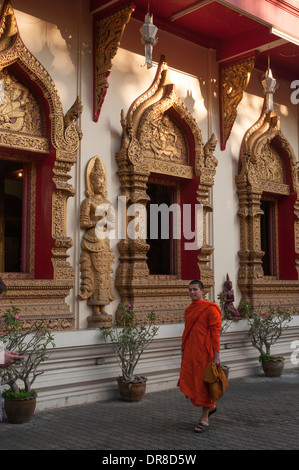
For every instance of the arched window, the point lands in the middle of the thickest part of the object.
(38, 146)
(268, 209)
(165, 171)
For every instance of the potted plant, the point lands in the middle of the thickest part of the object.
(31, 342)
(129, 341)
(264, 330)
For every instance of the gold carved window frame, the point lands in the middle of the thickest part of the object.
(261, 290)
(35, 297)
(169, 297)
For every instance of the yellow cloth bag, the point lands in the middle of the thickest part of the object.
(216, 378)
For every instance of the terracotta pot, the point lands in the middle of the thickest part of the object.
(19, 410)
(131, 391)
(273, 367)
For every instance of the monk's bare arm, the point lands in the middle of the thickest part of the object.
(216, 359)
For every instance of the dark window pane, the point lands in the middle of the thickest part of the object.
(161, 255)
(11, 215)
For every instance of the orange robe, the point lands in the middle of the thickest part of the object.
(201, 336)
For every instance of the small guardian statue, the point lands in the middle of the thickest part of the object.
(229, 308)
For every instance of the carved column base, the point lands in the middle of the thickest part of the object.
(101, 320)
(168, 298)
(40, 297)
(275, 293)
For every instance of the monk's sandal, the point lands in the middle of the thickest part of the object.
(201, 427)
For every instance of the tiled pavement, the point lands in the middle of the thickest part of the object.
(256, 413)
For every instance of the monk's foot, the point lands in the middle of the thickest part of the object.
(201, 427)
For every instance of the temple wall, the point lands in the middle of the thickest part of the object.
(82, 368)
(59, 34)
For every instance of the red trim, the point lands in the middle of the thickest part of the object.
(286, 237)
(25, 233)
(189, 261)
(286, 6)
(43, 223)
(286, 221)
(108, 10)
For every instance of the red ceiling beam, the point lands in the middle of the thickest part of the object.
(245, 43)
(280, 13)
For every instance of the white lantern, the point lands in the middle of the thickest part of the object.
(269, 85)
(148, 32)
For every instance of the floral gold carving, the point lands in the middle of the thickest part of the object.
(154, 142)
(108, 31)
(96, 260)
(22, 126)
(234, 79)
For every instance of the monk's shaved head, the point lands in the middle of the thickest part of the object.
(199, 283)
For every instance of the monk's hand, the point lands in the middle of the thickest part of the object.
(216, 359)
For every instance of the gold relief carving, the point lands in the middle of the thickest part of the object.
(96, 260)
(234, 79)
(161, 139)
(14, 100)
(40, 297)
(8, 27)
(282, 293)
(66, 140)
(154, 142)
(70, 120)
(108, 32)
(263, 170)
(166, 168)
(22, 126)
(269, 164)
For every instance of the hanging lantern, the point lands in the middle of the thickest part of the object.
(269, 85)
(148, 32)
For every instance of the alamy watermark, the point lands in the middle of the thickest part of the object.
(295, 94)
(151, 222)
(295, 354)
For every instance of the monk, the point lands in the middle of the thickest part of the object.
(200, 346)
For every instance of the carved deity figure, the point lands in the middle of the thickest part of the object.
(96, 260)
(14, 97)
(163, 138)
(229, 307)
